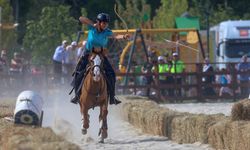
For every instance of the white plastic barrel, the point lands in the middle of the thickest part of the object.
(28, 108)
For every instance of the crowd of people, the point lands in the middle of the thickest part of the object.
(65, 59)
(15, 66)
(169, 65)
(243, 77)
(171, 80)
(12, 71)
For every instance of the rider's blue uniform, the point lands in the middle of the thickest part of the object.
(97, 39)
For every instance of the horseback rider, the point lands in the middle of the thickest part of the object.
(97, 41)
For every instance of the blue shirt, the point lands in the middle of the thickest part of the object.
(244, 66)
(223, 80)
(59, 54)
(96, 38)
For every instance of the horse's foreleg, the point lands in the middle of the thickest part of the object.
(103, 123)
(85, 120)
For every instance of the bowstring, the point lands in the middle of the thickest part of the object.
(123, 21)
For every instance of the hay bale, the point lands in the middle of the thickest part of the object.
(26, 137)
(181, 127)
(7, 108)
(157, 121)
(191, 128)
(148, 116)
(230, 135)
(216, 130)
(241, 110)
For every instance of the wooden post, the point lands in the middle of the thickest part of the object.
(234, 82)
(199, 81)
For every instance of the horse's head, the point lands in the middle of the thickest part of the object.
(96, 67)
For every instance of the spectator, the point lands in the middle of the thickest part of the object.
(16, 71)
(73, 53)
(153, 55)
(80, 50)
(4, 80)
(148, 79)
(224, 80)
(177, 67)
(65, 65)
(243, 68)
(170, 78)
(71, 58)
(208, 79)
(16, 64)
(58, 60)
(3, 62)
(162, 68)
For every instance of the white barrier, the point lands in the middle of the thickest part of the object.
(28, 109)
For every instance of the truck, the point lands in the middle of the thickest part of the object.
(231, 41)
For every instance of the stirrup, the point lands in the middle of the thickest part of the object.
(115, 101)
(75, 100)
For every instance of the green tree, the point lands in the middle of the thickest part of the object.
(165, 15)
(7, 37)
(223, 14)
(133, 13)
(217, 11)
(42, 36)
(31, 10)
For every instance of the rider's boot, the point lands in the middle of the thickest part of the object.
(112, 98)
(78, 77)
(75, 99)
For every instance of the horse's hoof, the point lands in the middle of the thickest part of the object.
(101, 140)
(84, 131)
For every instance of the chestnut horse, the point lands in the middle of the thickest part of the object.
(94, 93)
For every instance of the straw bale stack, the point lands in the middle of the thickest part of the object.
(230, 135)
(241, 110)
(23, 137)
(217, 130)
(148, 116)
(6, 108)
(190, 128)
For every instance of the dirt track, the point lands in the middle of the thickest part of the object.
(63, 118)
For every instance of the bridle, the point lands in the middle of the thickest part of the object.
(91, 71)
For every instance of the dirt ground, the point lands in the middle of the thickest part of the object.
(20, 137)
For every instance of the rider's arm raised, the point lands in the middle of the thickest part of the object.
(87, 21)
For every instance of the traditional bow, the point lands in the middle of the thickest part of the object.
(123, 21)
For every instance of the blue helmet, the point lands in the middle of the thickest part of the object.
(103, 17)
